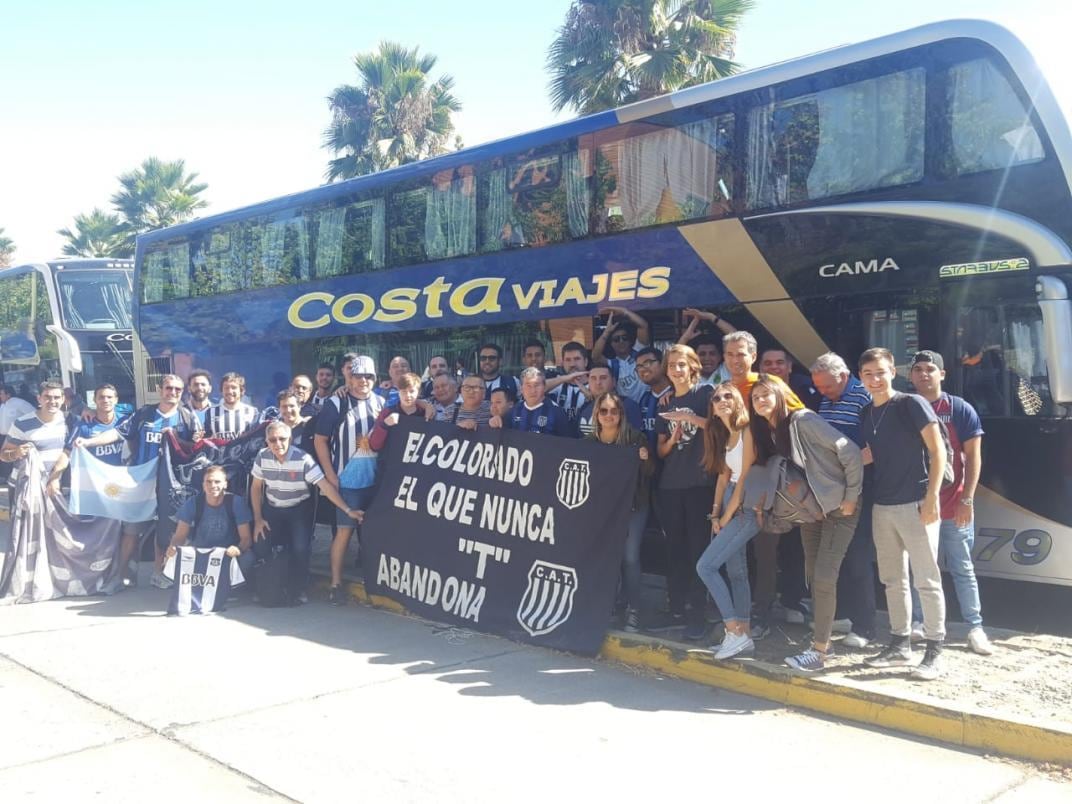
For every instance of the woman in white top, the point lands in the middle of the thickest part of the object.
(729, 454)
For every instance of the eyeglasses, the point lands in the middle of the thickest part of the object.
(484, 358)
(472, 387)
(303, 388)
(620, 339)
(726, 397)
(178, 389)
(369, 377)
(278, 440)
(608, 411)
(646, 363)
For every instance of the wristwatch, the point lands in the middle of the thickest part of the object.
(968, 501)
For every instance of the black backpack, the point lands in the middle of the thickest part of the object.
(271, 574)
(779, 492)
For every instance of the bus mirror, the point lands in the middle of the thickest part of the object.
(18, 348)
(1057, 332)
(67, 344)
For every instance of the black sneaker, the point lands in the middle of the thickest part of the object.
(666, 620)
(632, 621)
(336, 596)
(897, 654)
(695, 631)
(760, 628)
(931, 666)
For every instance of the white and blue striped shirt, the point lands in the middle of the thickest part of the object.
(346, 422)
(223, 422)
(48, 438)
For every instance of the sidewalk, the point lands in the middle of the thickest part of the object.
(1016, 703)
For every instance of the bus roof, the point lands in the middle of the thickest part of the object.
(990, 33)
(77, 263)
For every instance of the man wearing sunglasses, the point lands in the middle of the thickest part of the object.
(489, 362)
(627, 335)
(145, 432)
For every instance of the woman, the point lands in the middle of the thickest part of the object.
(409, 386)
(833, 466)
(729, 455)
(612, 428)
(685, 489)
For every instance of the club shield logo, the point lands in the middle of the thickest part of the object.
(548, 599)
(572, 487)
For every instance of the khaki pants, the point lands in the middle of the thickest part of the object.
(825, 545)
(902, 540)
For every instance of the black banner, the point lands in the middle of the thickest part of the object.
(510, 533)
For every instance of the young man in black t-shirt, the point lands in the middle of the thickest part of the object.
(904, 442)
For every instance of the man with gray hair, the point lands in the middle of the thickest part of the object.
(534, 412)
(281, 496)
(739, 351)
(844, 397)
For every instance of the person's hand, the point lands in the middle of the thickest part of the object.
(385, 385)
(610, 310)
(847, 508)
(391, 420)
(233, 551)
(341, 392)
(643, 453)
(23, 450)
(716, 525)
(866, 453)
(495, 422)
(963, 516)
(260, 530)
(88, 415)
(664, 400)
(468, 424)
(676, 415)
(171, 551)
(79, 441)
(928, 510)
(356, 514)
(53, 487)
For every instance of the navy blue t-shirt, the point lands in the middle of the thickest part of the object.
(899, 472)
(547, 418)
(109, 453)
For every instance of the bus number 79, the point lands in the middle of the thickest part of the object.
(1029, 547)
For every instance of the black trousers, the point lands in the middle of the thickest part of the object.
(683, 513)
(293, 529)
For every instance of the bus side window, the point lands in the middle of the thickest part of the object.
(1001, 360)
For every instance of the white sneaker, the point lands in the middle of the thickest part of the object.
(158, 580)
(734, 645)
(842, 626)
(979, 643)
(917, 633)
(854, 640)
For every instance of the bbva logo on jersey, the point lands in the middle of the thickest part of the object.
(548, 599)
(572, 487)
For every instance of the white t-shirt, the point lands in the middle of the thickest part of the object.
(11, 411)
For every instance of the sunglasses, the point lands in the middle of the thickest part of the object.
(620, 339)
(484, 358)
(369, 377)
(472, 388)
(726, 397)
(608, 411)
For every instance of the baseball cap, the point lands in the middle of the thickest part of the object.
(362, 364)
(928, 356)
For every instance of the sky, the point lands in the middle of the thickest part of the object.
(237, 89)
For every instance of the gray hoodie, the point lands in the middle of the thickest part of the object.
(830, 460)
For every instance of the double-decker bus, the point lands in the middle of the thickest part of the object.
(914, 191)
(68, 321)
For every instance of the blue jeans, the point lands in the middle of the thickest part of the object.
(955, 555)
(631, 575)
(293, 528)
(728, 548)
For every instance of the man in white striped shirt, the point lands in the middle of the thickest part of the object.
(342, 429)
(283, 504)
(45, 431)
(231, 417)
(569, 390)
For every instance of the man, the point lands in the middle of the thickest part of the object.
(474, 411)
(105, 398)
(325, 385)
(708, 346)
(445, 399)
(777, 361)
(389, 390)
(739, 353)
(844, 399)
(302, 387)
(144, 432)
(601, 380)
(534, 413)
(12, 408)
(283, 504)
(489, 358)
(302, 427)
(534, 355)
(44, 430)
(225, 521)
(568, 390)
(956, 532)
(198, 389)
(500, 403)
(342, 428)
(436, 365)
(231, 417)
(900, 431)
(657, 390)
(626, 338)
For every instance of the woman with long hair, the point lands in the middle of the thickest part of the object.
(685, 488)
(833, 467)
(610, 427)
(729, 455)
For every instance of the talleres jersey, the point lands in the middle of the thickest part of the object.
(203, 579)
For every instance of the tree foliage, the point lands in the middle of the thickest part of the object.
(97, 234)
(157, 194)
(7, 249)
(612, 52)
(396, 113)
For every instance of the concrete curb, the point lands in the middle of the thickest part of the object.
(842, 698)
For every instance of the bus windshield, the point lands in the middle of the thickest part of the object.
(95, 299)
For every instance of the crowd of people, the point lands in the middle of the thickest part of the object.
(890, 476)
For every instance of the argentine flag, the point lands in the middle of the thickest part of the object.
(127, 493)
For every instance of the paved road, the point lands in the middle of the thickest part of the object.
(108, 697)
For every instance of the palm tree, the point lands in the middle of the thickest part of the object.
(7, 248)
(155, 195)
(395, 115)
(612, 52)
(97, 234)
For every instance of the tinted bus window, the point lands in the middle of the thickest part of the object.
(350, 239)
(990, 127)
(859, 136)
(660, 174)
(166, 273)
